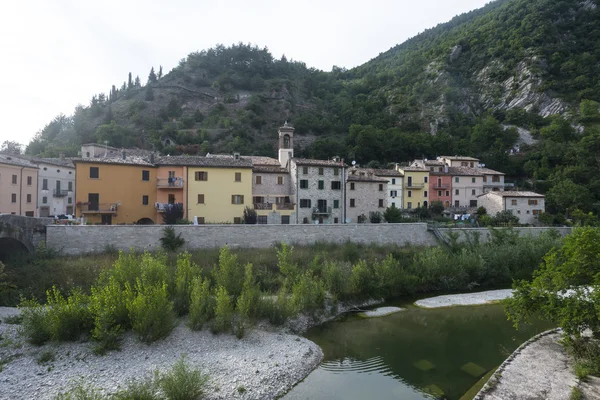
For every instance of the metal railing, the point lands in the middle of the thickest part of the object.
(162, 207)
(92, 208)
(169, 183)
(415, 185)
(321, 210)
(60, 192)
(441, 186)
(285, 206)
(263, 206)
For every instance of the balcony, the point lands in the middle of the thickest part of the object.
(162, 207)
(321, 210)
(415, 185)
(285, 206)
(439, 186)
(60, 192)
(98, 208)
(169, 183)
(497, 184)
(263, 206)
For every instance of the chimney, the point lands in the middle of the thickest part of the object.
(124, 154)
(236, 156)
(61, 156)
(151, 158)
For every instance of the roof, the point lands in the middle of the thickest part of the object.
(414, 169)
(318, 163)
(260, 160)
(115, 160)
(224, 161)
(514, 194)
(459, 158)
(433, 163)
(269, 169)
(387, 172)
(488, 171)
(11, 159)
(465, 171)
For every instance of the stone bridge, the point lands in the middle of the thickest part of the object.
(21, 234)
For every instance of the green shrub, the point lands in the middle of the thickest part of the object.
(247, 303)
(287, 267)
(201, 303)
(335, 276)
(308, 294)
(275, 308)
(145, 389)
(223, 311)
(150, 312)
(108, 305)
(68, 318)
(184, 275)
(125, 270)
(182, 382)
(170, 241)
(362, 280)
(35, 327)
(81, 391)
(154, 270)
(45, 357)
(228, 273)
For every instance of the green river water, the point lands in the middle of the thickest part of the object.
(414, 354)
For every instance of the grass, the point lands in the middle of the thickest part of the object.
(586, 352)
(45, 357)
(576, 394)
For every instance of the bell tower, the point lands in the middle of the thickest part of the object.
(286, 144)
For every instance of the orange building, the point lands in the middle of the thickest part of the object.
(116, 190)
(171, 187)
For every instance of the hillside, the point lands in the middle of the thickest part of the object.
(478, 85)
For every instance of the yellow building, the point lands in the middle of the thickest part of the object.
(115, 190)
(416, 187)
(18, 186)
(218, 188)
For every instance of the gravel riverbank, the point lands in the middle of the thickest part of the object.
(265, 364)
(465, 299)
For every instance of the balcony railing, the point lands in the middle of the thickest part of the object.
(169, 183)
(263, 206)
(162, 207)
(321, 210)
(98, 208)
(441, 186)
(415, 185)
(285, 206)
(60, 192)
(498, 184)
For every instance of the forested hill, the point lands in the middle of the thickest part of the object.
(477, 85)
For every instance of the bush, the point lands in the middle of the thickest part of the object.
(228, 273)
(35, 326)
(182, 382)
(150, 311)
(375, 217)
(223, 311)
(201, 303)
(335, 276)
(184, 275)
(308, 294)
(138, 390)
(108, 305)
(275, 309)
(247, 303)
(249, 216)
(171, 241)
(153, 269)
(287, 267)
(68, 318)
(172, 214)
(392, 215)
(362, 280)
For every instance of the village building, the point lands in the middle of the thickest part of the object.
(416, 186)
(467, 185)
(18, 186)
(527, 206)
(366, 194)
(395, 181)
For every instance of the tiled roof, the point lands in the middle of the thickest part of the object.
(225, 161)
(433, 163)
(387, 172)
(414, 169)
(514, 194)
(365, 178)
(269, 169)
(65, 162)
(318, 163)
(488, 171)
(115, 160)
(260, 160)
(16, 160)
(459, 158)
(464, 171)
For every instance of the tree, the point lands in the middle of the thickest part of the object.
(129, 82)
(565, 287)
(436, 207)
(375, 217)
(173, 213)
(392, 215)
(160, 73)
(149, 93)
(566, 195)
(137, 82)
(250, 216)
(11, 147)
(152, 76)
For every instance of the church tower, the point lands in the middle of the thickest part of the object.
(286, 144)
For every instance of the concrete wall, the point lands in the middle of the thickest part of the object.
(484, 234)
(82, 239)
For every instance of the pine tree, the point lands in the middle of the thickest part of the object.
(149, 93)
(129, 82)
(160, 72)
(113, 93)
(124, 87)
(137, 81)
(152, 76)
(108, 117)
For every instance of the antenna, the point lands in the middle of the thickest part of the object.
(353, 162)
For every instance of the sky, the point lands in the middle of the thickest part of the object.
(58, 54)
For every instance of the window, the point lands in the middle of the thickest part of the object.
(320, 170)
(70, 186)
(336, 220)
(532, 202)
(473, 192)
(13, 198)
(304, 203)
(380, 203)
(447, 193)
(425, 179)
(464, 164)
(280, 180)
(200, 199)
(409, 193)
(513, 202)
(393, 181)
(321, 185)
(409, 205)
(495, 178)
(472, 180)
(439, 193)
(304, 184)
(44, 200)
(393, 193)
(171, 199)
(238, 176)
(237, 220)
(352, 203)
(473, 203)
(457, 179)
(336, 185)
(484, 179)
(537, 212)
(44, 184)
(87, 154)
(94, 173)
(258, 180)
(261, 219)
(393, 205)
(29, 213)
(336, 204)
(351, 185)
(304, 170)
(145, 175)
(14, 179)
(285, 220)
(145, 200)
(381, 187)
(201, 221)
(29, 198)
(69, 200)
(425, 193)
(201, 175)
(237, 199)
(456, 192)
(29, 180)
(527, 211)
(336, 171)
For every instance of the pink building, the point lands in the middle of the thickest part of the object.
(440, 187)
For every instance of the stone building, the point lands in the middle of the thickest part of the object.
(272, 194)
(395, 180)
(525, 205)
(366, 193)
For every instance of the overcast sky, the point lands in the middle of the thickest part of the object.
(57, 54)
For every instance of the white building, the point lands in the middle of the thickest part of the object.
(525, 205)
(395, 181)
(467, 185)
(56, 186)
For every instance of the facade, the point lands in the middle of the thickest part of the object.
(440, 187)
(18, 186)
(366, 193)
(459, 161)
(525, 205)
(272, 195)
(395, 180)
(493, 181)
(115, 190)
(219, 188)
(56, 186)
(416, 186)
(319, 189)
(171, 187)
(467, 185)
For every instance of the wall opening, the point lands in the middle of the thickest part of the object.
(145, 221)
(12, 248)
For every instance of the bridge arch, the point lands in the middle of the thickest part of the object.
(19, 233)
(10, 247)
